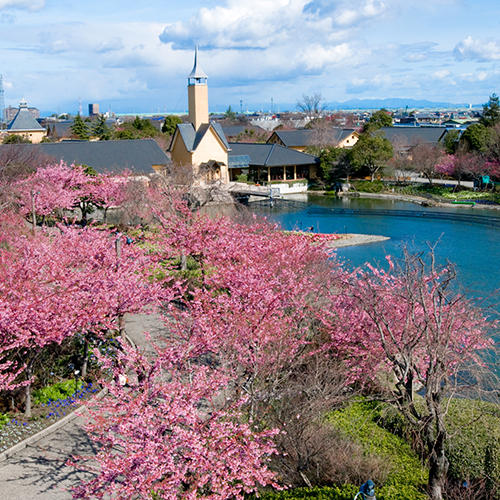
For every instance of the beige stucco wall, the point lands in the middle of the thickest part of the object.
(35, 136)
(178, 152)
(198, 104)
(349, 141)
(211, 148)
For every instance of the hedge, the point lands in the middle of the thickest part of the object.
(358, 422)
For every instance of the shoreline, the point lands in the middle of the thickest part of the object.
(419, 200)
(353, 239)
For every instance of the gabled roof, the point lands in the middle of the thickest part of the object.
(192, 138)
(138, 156)
(270, 155)
(411, 136)
(310, 137)
(24, 121)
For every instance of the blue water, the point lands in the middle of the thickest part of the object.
(473, 248)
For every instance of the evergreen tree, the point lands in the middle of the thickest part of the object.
(170, 124)
(80, 129)
(100, 129)
(491, 112)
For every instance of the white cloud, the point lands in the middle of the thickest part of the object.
(22, 4)
(441, 74)
(479, 50)
(370, 9)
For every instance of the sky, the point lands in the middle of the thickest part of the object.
(134, 58)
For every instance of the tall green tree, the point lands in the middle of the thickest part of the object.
(100, 129)
(379, 119)
(476, 137)
(371, 152)
(491, 112)
(80, 129)
(170, 124)
(230, 114)
(450, 141)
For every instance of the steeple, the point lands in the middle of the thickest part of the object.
(197, 75)
(197, 94)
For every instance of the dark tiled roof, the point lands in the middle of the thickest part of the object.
(138, 156)
(24, 121)
(309, 137)
(192, 138)
(271, 155)
(234, 130)
(220, 132)
(411, 136)
(238, 161)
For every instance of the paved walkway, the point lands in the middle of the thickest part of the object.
(39, 471)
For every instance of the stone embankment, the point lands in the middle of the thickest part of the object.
(419, 200)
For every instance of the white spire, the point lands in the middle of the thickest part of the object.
(197, 73)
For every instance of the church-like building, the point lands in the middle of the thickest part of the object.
(199, 143)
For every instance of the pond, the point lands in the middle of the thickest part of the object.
(473, 247)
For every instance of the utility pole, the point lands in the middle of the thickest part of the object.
(2, 103)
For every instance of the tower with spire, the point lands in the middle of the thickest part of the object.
(197, 95)
(199, 143)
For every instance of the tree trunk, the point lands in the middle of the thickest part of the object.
(438, 466)
(27, 392)
(121, 326)
(85, 362)
(183, 262)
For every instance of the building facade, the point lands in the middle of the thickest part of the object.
(25, 125)
(199, 143)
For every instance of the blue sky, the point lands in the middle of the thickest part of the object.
(135, 58)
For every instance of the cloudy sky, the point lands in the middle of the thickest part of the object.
(133, 58)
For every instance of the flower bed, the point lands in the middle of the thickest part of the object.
(17, 429)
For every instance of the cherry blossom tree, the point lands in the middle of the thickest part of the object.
(61, 284)
(170, 434)
(411, 325)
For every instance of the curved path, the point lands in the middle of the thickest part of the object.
(39, 471)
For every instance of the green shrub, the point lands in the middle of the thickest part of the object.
(358, 422)
(368, 186)
(473, 448)
(344, 492)
(59, 390)
(474, 444)
(4, 419)
(242, 178)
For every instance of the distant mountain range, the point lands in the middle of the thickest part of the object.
(394, 103)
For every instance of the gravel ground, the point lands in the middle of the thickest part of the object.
(348, 240)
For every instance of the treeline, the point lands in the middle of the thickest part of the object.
(469, 155)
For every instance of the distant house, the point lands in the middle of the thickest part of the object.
(24, 124)
(301, 139)
(403, 139)
(270, 162)
(140, 157)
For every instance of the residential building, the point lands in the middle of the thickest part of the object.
(25, 124)
(301, 139)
